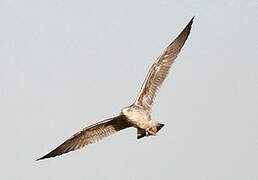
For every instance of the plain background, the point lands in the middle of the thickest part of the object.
(67, 64)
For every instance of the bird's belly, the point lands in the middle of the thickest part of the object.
(139, 121)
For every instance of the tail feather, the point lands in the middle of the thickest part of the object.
(160, 126)
(142, 133)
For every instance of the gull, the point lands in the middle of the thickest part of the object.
(137, 115)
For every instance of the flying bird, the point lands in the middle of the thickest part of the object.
(137, 115)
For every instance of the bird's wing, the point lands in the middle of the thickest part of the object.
(89, 135)
(160, 69)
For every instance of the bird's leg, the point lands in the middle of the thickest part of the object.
(152, 131)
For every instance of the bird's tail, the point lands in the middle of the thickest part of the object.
(160, 126)
(142, 133)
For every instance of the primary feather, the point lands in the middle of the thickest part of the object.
(89, 135)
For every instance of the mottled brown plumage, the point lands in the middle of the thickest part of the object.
(137, 115)
(90, 135)
(159, 70)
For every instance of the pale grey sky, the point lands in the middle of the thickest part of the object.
(67, 64)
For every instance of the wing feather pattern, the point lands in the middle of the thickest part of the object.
(159, 70)
(90, 135)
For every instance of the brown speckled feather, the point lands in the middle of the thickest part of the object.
(89, 135)
(159, 70)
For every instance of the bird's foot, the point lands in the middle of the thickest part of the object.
(152, 131)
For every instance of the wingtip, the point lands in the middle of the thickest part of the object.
(191, 21)
(192, 18)
(188, 27)
(40, 158)
(49, 155)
